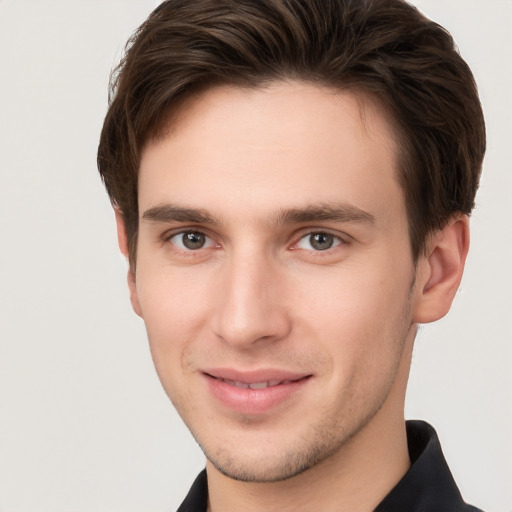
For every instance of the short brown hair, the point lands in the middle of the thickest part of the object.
(386, 48)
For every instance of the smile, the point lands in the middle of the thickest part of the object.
(254, 393)
(256, 385)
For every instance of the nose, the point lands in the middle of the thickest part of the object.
(250, 304)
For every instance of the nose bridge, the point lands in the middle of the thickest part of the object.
(249, 307)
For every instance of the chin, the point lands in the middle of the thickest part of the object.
(261, 471)
(281, 465)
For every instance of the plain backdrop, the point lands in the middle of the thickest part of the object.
(84, 423)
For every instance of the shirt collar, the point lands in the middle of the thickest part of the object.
(428, 484)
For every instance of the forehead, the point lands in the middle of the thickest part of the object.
(287, 144)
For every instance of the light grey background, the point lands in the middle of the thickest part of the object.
(84, 424)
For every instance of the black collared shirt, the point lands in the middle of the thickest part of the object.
(428, 486)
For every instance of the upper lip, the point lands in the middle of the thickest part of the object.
(255, 376)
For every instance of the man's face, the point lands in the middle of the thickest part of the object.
(274, 274)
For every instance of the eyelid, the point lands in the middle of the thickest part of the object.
(170, 235)
(342, 238)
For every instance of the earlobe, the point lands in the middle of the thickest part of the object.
(122, 240)
(440, 270)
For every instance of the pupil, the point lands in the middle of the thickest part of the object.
(193, 240)
(321, 241)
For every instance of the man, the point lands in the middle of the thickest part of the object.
(292, 181)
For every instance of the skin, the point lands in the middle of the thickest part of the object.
(257, 172)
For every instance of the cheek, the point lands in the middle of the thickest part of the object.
(359, 297)
(359, 317)
(362, 325)
(173, 308)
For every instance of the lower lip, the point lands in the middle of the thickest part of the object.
(254, 401)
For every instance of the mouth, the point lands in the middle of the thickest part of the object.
(256, 385)
(254, 393)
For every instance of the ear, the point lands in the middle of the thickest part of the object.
(122, 240)
(440, 271)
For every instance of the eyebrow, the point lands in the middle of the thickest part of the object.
(324, 212)
(170, 213)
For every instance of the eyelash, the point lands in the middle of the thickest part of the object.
(170, 237)
(337, 241)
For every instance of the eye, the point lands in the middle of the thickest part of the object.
(191, 241)
(319, 241)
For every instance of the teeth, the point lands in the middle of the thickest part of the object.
(259, 385)
(255, 385)
(239, 384)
